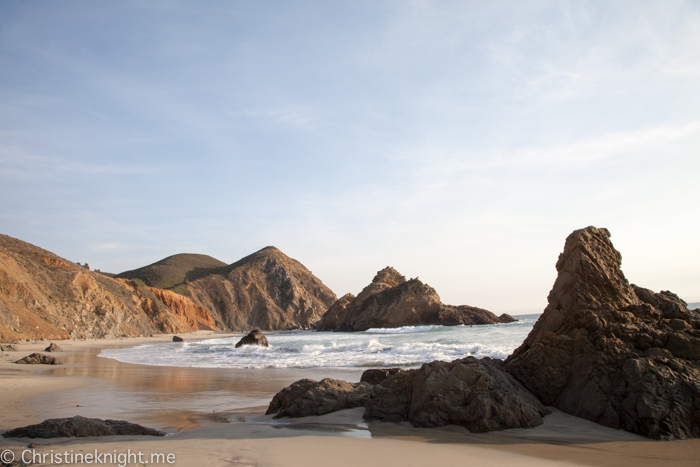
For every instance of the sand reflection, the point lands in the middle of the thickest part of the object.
(175, 397)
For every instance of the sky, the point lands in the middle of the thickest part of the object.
(457, 141)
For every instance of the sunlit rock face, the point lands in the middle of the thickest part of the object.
(391, 301)
(611, 352)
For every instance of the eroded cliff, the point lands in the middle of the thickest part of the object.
(43, 295)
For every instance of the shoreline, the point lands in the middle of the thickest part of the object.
(216, 417)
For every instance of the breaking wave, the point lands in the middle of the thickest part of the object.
(406, 347)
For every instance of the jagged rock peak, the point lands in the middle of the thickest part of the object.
(389, 276)
(611, 352)
(590, 267)
(391, 301)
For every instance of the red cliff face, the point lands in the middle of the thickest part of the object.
(45, 296)
(190, 314)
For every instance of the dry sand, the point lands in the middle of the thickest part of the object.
(215, 418)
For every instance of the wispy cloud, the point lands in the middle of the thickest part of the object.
(16, 162)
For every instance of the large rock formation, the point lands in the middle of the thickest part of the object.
(611, 352)
(45, 296)
(476, 394)
(391, 301)
(266, 290)
(80, 427)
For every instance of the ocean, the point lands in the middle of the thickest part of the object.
(406, 347)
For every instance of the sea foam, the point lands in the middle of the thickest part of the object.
(405, 347)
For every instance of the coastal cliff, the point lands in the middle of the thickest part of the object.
(45, 296)
(391, 301)
(266, 290)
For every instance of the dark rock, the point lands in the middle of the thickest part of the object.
(80, 427)
(53, 348)
(178, 339)
(37, 359)
(254, 337)
(391, 301)
(610, 352)
(376, 376)
(476, 394)
(8, 348)
(307, 397)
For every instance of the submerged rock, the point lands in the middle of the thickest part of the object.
(391, 301)
(611, 352)
(254, 337)
(39, 359)
(476, 394)
(80, 427)
(53, 348)
(307, 397)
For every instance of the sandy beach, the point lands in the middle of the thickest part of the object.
(215, 417)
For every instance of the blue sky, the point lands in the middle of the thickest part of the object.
(460, 142)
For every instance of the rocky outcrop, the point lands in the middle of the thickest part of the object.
(266, 290)
(307, 397)
(53, 348)
(178, 339)
(391, 301)
(254, 337)
(7, 348)
(611, 352)
(476, 394)
(45, 296)
(80, 427)
(39, 359)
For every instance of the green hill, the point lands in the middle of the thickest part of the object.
(174, 272)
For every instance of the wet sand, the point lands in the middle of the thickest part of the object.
(216, 417)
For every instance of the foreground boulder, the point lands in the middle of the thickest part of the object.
(39, 359)
(474, 393)
(391, 301)
(254, 337)
(307, 397)
(80, 427)
(611, 352)
(53, 348)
